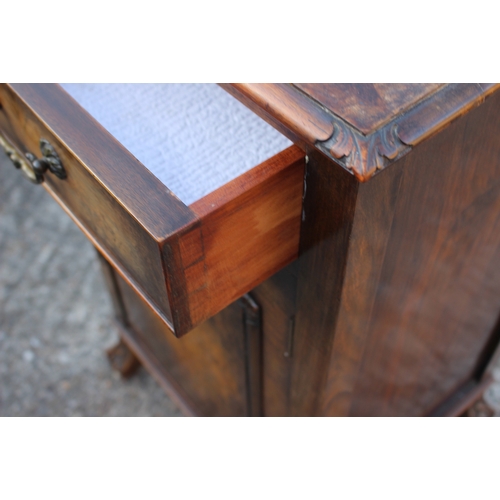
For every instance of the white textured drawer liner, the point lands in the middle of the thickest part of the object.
(193, 137)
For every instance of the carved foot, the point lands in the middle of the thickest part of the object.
(122, 359)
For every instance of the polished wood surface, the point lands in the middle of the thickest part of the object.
(463, 399)
(396, 304)
(276, 297)
(188, 263)
(289, 110)
(370, 226)
(419, 299)
(392, 307)
(257, 217)
(208, 367)
(329, 205)
(108, 191)
(46, 108)
(226, 366)
(392, 118)
(368, 106)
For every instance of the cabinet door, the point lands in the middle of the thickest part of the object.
(214, 371)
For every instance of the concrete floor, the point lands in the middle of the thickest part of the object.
(55, 318)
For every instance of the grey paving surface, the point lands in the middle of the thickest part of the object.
(55, 317)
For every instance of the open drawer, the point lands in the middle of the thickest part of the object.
(188, 259)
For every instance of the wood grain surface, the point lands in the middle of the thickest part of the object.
(206, 368)
(291, 110)
(371, 226)
(362, 127)
(392, 308)
(249, 229)
(105, 190)
(276, 296)
(46, 108)
(368, 106)
(420, 300)
(329, 206)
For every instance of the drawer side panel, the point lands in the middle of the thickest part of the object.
(252, 233)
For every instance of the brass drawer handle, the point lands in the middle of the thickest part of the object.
(32, 167)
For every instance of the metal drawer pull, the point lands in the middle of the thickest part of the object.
(32, 167)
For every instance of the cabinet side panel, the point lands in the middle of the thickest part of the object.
(438, 294)
(330, 197)
(367, 246)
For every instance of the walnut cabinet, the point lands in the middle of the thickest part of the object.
(350, 271)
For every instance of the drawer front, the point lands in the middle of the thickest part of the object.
(110, 217)
(188, 263)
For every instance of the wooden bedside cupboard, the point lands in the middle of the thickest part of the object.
(352, 273)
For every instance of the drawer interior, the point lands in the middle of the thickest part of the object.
(191, 250)
(193, 137)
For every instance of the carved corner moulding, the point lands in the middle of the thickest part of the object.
(306, 121)
(366, 155)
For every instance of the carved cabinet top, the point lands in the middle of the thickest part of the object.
(363, 127)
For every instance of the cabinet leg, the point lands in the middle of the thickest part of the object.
(122, 359)
(480, 409)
